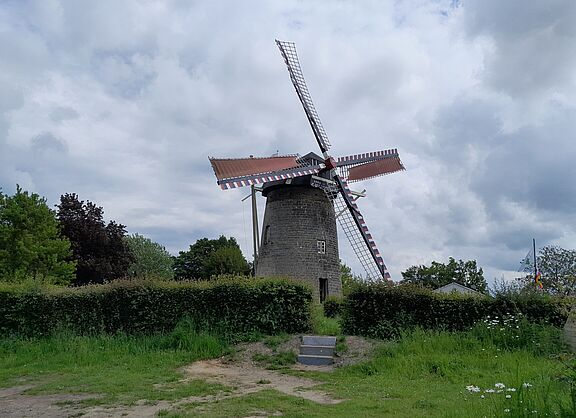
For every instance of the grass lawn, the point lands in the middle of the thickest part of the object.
(425, 374)
(119, 369)
(422, 374)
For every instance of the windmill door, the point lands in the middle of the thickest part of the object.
(323, 289)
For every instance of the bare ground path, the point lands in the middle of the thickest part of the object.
(239, 373)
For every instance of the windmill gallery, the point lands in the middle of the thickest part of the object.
(305, 196)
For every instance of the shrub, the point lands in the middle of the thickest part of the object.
(228, 306)
(380, 311)
(332, 306)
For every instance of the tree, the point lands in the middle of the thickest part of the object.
(99, 248)
(150, 258)
(348, 279)
(437, 274)
(30, 242)
(210, 257)
(558, 269)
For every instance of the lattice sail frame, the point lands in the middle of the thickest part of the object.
(357, 234)
(288, 51)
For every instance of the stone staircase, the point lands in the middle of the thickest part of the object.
(317, 350)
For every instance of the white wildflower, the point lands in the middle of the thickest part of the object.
(511, 389)
(508, 396)
(526, 385)
(506, 410)
(489, 391)
(500, 385)
(482, 396)
(472, 388)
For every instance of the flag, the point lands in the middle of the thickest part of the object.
(527, 261)
(537, 280)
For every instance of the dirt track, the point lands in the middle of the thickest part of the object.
(239, 373)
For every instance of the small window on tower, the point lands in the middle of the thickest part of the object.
(321, 246)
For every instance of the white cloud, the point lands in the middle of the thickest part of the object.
(122, 103)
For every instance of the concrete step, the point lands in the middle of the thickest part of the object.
(318, 340)
(315, 360)
(317, 350)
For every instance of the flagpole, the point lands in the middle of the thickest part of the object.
(534, 251)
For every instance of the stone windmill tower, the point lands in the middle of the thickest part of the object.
(305, 197)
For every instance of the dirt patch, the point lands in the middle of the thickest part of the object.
(238, 371)
(358, 350)
(14, 402)
(246, 378)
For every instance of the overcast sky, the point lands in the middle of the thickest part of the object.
(122, 102)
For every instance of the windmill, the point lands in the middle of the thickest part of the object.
(306, 195)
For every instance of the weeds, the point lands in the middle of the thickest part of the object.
(513, 332)
(274, 341)
(279, 360)
(321, 325)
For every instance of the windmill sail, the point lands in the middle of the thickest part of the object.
(226, 168)
(352, 223)
(355, 168)
(288, 51)
(277, 175)
(373, 164)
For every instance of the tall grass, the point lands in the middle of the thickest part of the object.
(322, 325)
(119, 368)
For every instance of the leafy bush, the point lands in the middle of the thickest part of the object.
(332, 306)
(227, 306)
(377, 310)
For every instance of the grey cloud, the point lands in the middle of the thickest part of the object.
(62, 113)
(534, 166)
(533, 42)
(48, 143)
(124, 75)
(461, 127)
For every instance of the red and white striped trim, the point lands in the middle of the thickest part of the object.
(232, 184)
(385, 153)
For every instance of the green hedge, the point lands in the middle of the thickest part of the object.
(380, 311)
(333, 306)
(238, 305)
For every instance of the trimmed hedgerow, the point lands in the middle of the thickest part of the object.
(234, 305)
(381, 311)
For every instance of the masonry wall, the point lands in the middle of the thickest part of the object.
(295, 219)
